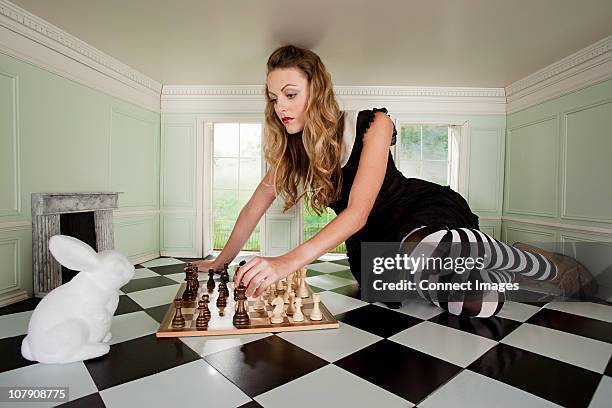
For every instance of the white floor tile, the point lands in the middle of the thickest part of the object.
(14, 324)
(144, 273)
(74, 376)
(327, 267)
(337, 303)
(129, 326)
(603, 394)
(205, 345)
(330, 386)
(328, 282)
(161, 262)
(180, 277)
(586, 309)
(420, 308)
(454, 346)
(577, 350)
(469, 389)
(199, 385)
(519, 312)
(154, 297)
(332, 344)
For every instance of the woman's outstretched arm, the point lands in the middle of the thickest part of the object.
(248, 218)
(260, 272)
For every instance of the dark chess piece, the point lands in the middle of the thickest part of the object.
(191, 292)
(223, 288)
(241, 317)
(210, 285)
(221, 302)
(202, 320)
(206, 309)
(178, 320)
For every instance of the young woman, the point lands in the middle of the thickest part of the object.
(342, 160)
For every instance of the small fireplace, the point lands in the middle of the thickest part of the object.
(86, 216)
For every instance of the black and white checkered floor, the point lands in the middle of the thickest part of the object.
(532, 355)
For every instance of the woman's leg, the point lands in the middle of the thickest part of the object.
(500, 264)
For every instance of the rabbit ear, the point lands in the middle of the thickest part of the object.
(73, 253)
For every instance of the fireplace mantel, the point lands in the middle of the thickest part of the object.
(46, 211)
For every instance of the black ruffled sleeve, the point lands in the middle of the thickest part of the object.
(366, 117)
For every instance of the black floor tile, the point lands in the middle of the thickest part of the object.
(169, 269)
(23, 306)
(316, 289)
(553, 380)
(189, 259)
(126, 305)
(10, 350)
(312, 272)
(349, 290)
(378, 320)
(529, 297)
(494, 328)
(608, 371)
(252, 404)
(158, 312)
(138, 358)
(262, 365)
(571, 323)
(138, 266)
(89, 401)
(343, 261)
(147, 283)
(406, 372)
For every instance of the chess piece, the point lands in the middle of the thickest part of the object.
(206, 309)
(190, 293)
(221, 302)
(298, 316)
(303, 288)
(291, 308)
(202, 320)
(259, 303)
(287, 293)
(191, 269)
(178, 320)
(277, 313)
(223, 288)
(241, 317)
(271, 294)
(210, 285)
(315, 314)
(279, 285)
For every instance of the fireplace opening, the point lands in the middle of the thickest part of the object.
(80, 225)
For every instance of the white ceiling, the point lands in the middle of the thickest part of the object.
(474, 43)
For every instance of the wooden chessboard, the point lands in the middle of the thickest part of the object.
(259, 320)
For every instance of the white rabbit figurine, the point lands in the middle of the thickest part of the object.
(72, 322)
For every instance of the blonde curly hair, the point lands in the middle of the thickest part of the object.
(309, 165)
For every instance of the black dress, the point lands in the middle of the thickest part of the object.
(402, 203)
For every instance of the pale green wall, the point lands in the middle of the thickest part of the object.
(558, 163)
(559, 170)
(57, 135)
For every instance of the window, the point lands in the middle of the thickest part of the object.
(313, 223)
(423, 152)
(236, 174)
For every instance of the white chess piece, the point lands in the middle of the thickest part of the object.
(286, 295)
(290, 279)
(291, 308)
(279, 285)
(271, 294)
(72, 322)
(303, 288)
(298, 316)
(277, 313)
(259, 303)
(315, 314)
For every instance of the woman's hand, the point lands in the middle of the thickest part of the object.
(206, 264)
(261, 272)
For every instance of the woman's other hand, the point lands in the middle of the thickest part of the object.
(261, 272)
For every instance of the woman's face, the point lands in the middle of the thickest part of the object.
(289, 90)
